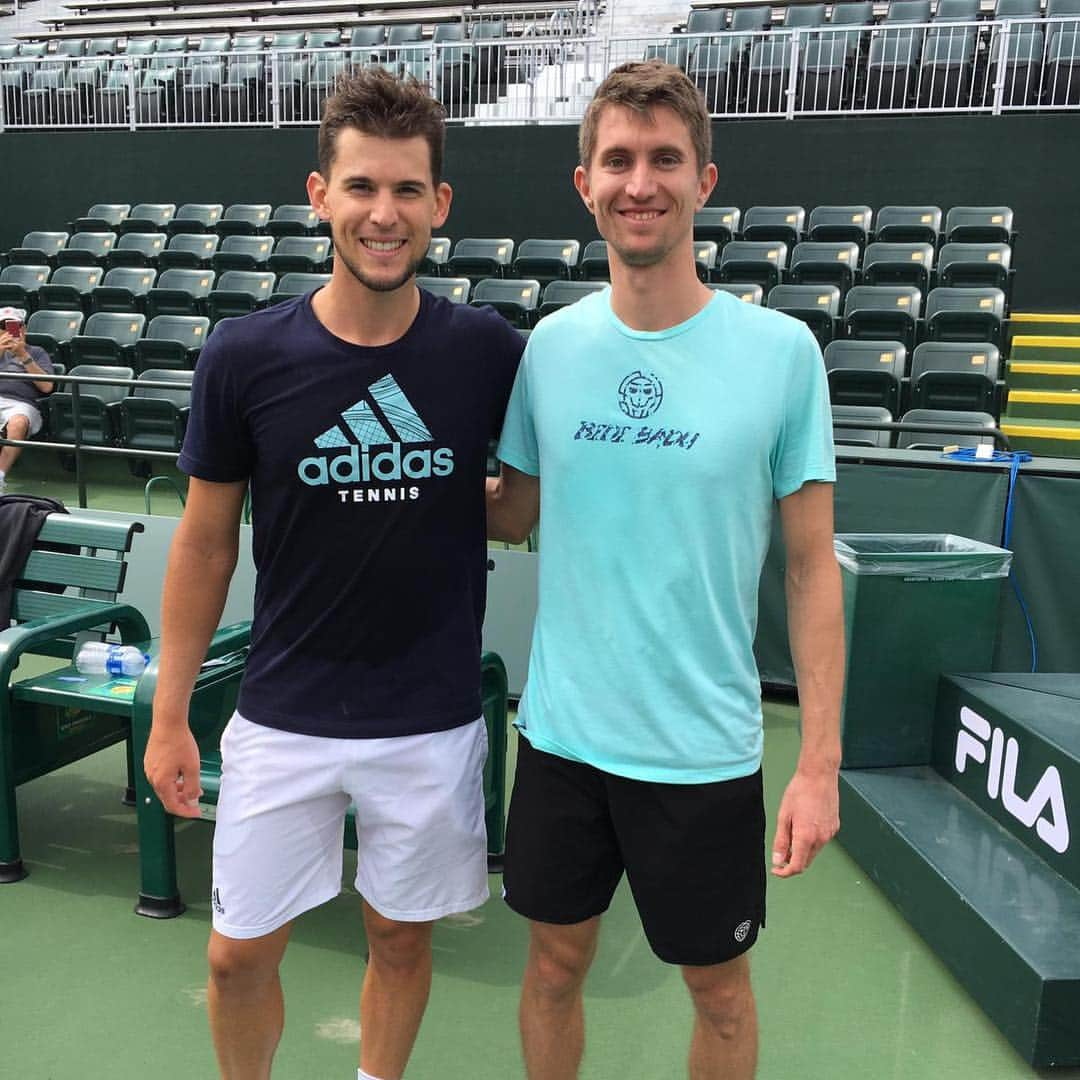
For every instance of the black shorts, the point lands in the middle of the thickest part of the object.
(694, 854)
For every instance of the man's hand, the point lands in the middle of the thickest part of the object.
(171, 763)
(809, 818)
(14, 345)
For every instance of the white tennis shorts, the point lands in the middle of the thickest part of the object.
(10, 407)
(422, 845)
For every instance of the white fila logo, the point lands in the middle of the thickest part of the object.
(971, 742)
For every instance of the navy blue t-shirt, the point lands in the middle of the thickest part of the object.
(367, 471)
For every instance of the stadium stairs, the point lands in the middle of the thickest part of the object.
(1043, 411)
(973, 848)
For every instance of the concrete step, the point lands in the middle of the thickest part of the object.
(1045, 348)
(1044, 438)
(1034, 375)
(1044, 404)
(1002, 921)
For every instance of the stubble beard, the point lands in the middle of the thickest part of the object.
(378, 284)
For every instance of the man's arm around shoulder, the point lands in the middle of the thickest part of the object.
(513, 505)
(809, 812)
(201, 563)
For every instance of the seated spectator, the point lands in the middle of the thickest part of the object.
(20, 416)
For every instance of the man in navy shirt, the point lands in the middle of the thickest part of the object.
(360, 416)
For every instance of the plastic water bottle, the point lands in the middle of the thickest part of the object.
(103, 658)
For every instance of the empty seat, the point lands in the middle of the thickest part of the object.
(594, 262)
(189, 251)
(244, 253)
(967, 265)
(758, 261)
(857, 16)
(148, 217)
(516, 299)
(101, 217)
(99, 406)
(1020, 68)
(825, 263)
(746, 291)
(714, 66)
(948, 63)
(180, 292)
(965, 315)
(892, 67)
(196, 217)
(293, 219)
(300, 255)
(546, 260)
(816, 305)
(883, 313)
(456, 289)
(297, 284)
(845, 435)
(979, 225)
(908, 224)
(239, 292)
(244, 219)
(172, 342)
(138, 249)
(707, 20)
(705, 258)
(828, 79)
(866, 373)
(19, 285)
(957, 428)
(52, 330)
(87, 249)
(478, 258)
(38, 249)
(107, 338)
(69, 288)
(798, 15)
(437, 253)
(833, 224)
(768, 75)
(123, 289)
(898, 264)
(955, 375)
(155, 417)
(560, 294)
(1062, 75)
(719, 223)
(783, 223)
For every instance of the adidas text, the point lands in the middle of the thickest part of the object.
(357, 465)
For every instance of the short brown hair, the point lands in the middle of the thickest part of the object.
(641, 85)
(377, 103)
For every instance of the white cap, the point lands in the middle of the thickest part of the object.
(18, 314)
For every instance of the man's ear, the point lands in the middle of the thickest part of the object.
(581, 182)
(316, 192)
(709, 176)
(444, 195)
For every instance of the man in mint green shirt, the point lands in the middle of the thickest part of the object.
(652, 428)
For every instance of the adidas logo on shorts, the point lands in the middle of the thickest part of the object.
(215, 898)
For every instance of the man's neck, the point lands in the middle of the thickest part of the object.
(657, 297)
(361, 316)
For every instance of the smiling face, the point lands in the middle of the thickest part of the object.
(382, 203)
(643, 185)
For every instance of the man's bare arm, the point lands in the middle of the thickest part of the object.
(513, 505)
(809, 813)
(201, 563)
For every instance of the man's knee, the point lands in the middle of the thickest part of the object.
(722, 994)
(244, 965)
(18, 427)
(397, 946)
(559, 957)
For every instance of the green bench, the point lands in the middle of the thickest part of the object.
(212, 704)
(60, 594)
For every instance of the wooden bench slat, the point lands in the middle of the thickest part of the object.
(81, 571)
(88, 532)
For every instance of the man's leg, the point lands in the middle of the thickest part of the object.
(247, 1011)
(724, 1043)
(395, 992)
(552, 1013)
(18, 427)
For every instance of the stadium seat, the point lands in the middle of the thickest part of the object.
(300, 255)
(243, 96)
(803, 15)
(707, 20)
(326, 68)
(123, 289)
(593, 265)
(705, 258)
(171, 341)
(671, 51)
(477, 258)
(760, 261)
(866, 373)
(883, 313)
(1020, 70)
(892, 66)
(253, 42)
(451, 288)
(948, 57)
(19, 285)
(367, 37)
(200, 100)
(836, 224)
(962, 315)
(828, 80)
(719, 223)
(189, 251)
(898, 264)
(112, 97)
(975, 265)
(297, 284)
(101, 217)
(825, 263)
(87, 249)
(195, 218)
(908, 225)
(866, 414)
(515, 299)
(782, 223)
(955, 375)
(138, 249)
(491, 72)
(69, 288)
(1062, 74)
(148, 217)
(244, 219)
(437, 253)
(108, 337)
(560, 294)
(290, 76)
(546, 260)
(746, 291)
(212, 43)
(102, 47)
(456, 59)
(960, 429)
(243, 253)
(38, 249)
(99, 406)
(979, 225)
(239, 292)
(179, 292)
(714, 66)
(39, 100)
(768, 75)
(322, 39)
(293, 219)
(816, 305)
(52, 330)
(14, 82)
(155, 418)
(855, 18)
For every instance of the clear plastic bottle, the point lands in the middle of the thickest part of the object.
(103, 658)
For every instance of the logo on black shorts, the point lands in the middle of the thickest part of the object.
(742, 930)
(215, 897)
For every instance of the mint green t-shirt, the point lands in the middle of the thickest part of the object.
(660, 455)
